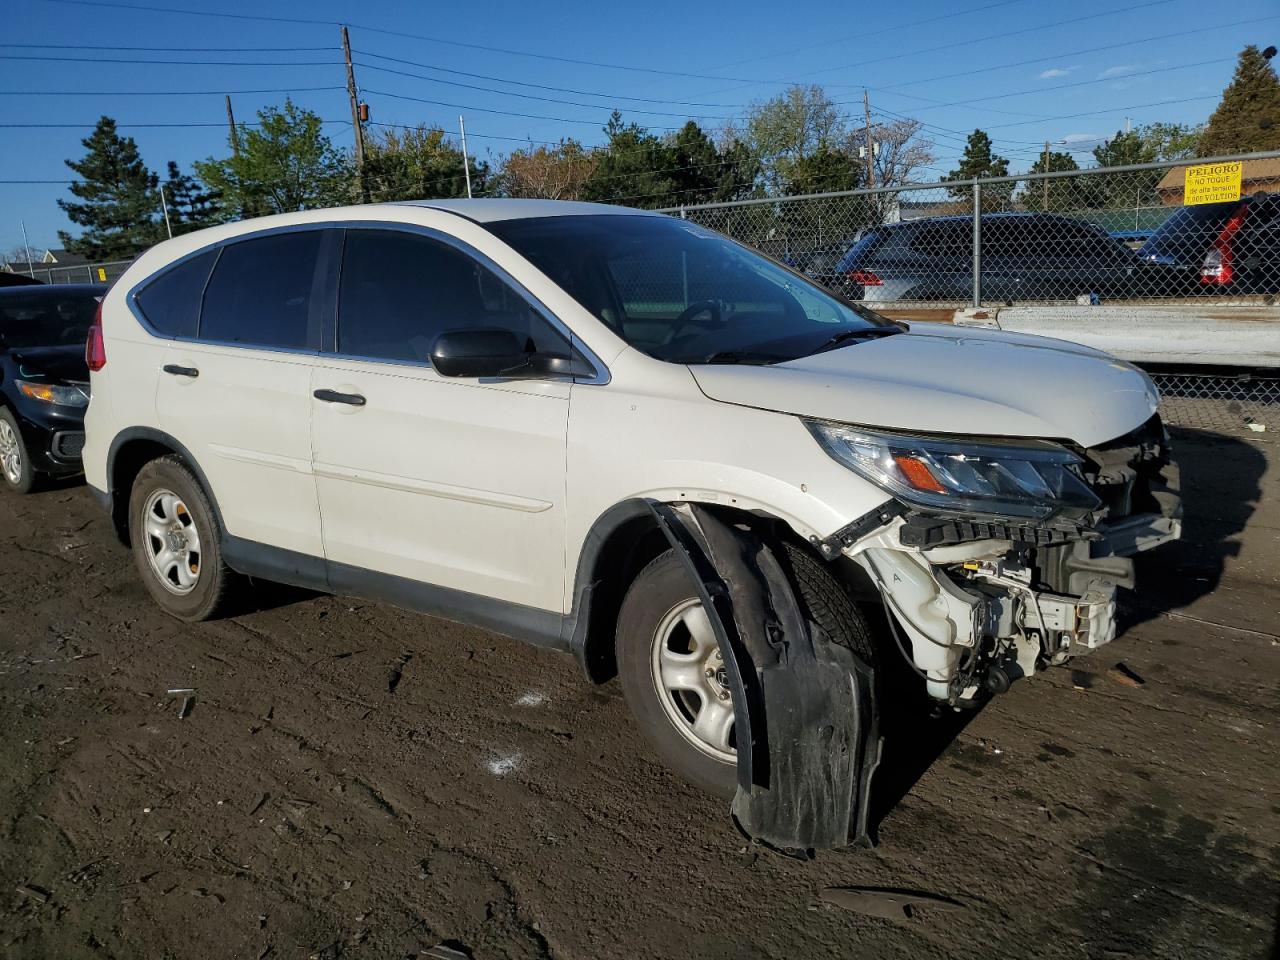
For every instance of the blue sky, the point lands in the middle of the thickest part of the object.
(1023, 70)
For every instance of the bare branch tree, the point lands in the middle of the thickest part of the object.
(549, 173)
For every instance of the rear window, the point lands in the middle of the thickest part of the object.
(1188, 233)
(38, 317)
(863, 249)
(952, 238)
(171, 302)
(260, 292)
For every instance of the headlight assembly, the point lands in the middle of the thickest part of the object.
(1032, 479)
(53, 393)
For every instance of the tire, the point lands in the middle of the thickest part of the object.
(663, 590)
(15, 461)
(191, 585)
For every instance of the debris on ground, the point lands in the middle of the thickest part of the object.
(886, 903)
(1122, 673)
(448, 950)
(38, 894)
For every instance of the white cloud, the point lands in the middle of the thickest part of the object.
(1052, 73)
(1117, 71)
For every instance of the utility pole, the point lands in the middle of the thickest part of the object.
(31, 267)
(866, 112)
(466, 164)
(165, 207)
(1045, 181)
(356, 125)
(231, 126)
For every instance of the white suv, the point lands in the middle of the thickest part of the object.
(499, 411)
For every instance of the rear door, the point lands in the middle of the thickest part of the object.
(238, 393)
(455, 482)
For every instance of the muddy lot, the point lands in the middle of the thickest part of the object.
(354, 781)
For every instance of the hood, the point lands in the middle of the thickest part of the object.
(66, 364)
(940, 379)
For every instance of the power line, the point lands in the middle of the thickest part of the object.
(116, 46)
(127, 126)
(159, 93)
(538, 86)
(1096, 113)
(194, 63)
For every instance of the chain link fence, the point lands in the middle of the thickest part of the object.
(106, 272)
(1243, 404)
(1119, 234)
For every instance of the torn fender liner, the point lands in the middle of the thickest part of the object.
(804, 707)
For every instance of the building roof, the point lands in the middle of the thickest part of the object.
(488, 210)
(1252, 171)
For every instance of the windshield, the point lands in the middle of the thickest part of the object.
(46, 318)
(685, 294)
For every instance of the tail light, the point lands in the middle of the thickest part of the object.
(864, 277)
(1219, 263)
(95, 350)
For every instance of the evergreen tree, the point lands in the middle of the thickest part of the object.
(1052, 194)
(1248, 118)
(632, 168)
(825, 169)
(119, 205)
(980, 160)
(419, 163)
(191, 207)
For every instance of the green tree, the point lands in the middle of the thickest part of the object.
(633, 167)
(285, 164)
(1056, 193)
(1248, 118)
(191, 206)
(784, 130)
(117, 193)
(419, 163)
(1172, 141)
(980, 160)
(826, 169)
(739, 171)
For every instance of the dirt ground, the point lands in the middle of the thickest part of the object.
(356, 781)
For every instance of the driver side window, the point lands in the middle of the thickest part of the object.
(399, 291)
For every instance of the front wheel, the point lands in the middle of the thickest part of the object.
(15, 462)
(672, 670)
(175, 543)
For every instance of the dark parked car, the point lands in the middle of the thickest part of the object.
(1223, 248)
(10, 279)
(44, 380)
(1025, 256)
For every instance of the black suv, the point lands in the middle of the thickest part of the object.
(44, 380)
(1223, 248)
(1025, 256)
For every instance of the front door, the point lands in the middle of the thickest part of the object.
(454, 482)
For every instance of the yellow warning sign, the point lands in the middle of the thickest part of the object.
(102, 274)
(1212, 183)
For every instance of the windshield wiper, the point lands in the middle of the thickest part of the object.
(737, 356)
(850, 336)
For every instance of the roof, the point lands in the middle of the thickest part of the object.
(1267, 168)
(488, 210)
(65, 258)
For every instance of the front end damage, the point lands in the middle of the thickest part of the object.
(984, 601)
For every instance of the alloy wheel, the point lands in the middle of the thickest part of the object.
(10, 454)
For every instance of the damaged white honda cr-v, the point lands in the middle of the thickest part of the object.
(620, 434)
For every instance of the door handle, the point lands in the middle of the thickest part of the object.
(333, 396)
(178, 371)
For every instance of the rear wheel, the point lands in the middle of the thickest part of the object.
(15, 462)
(672, 670)
(175, 542)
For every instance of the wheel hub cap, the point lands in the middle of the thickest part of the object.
(693, 686)
(10, 454)
(172, 542)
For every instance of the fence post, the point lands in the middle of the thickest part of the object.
(977, 244)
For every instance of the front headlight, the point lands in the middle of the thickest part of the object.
(54, 393)
(1032, 479)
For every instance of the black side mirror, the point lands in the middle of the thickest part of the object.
(479, 352)
(495, 352)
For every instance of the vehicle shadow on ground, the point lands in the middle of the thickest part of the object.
(1215, 513)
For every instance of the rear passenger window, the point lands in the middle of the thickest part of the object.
(400, 291)
(260, 292)
(171, 302)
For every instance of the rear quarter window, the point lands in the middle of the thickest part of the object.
(170, 302)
